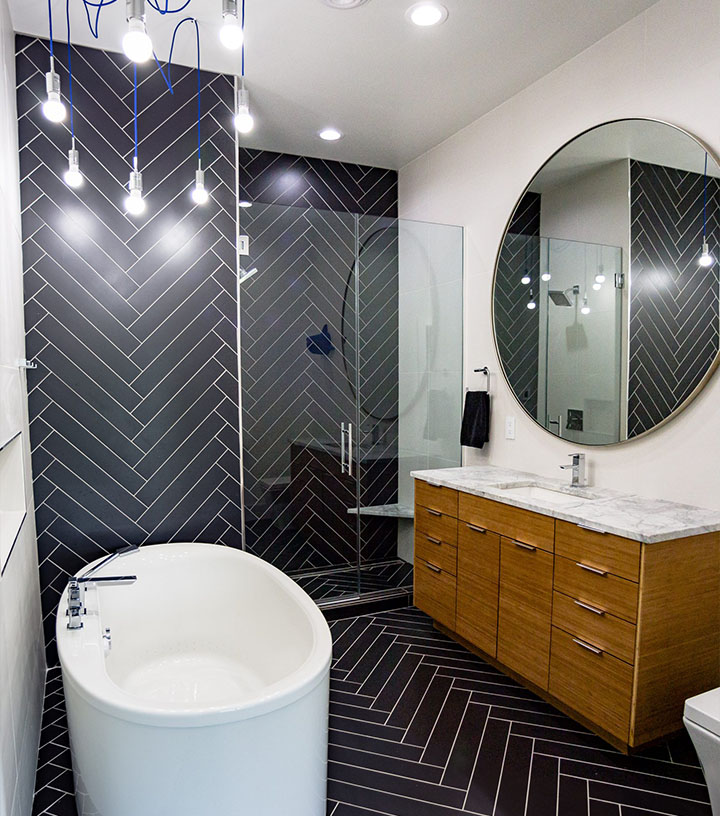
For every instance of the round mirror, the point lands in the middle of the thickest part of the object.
(605, 300)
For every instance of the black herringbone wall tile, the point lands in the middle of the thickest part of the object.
(674, 302)
(133, 406)
(304, 234)
(298, 181)
(516, 326)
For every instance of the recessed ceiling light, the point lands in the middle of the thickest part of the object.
(330, 134)
(344, 4)
(244, 204)
(427, 13)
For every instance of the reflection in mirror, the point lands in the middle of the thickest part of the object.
(605, 310)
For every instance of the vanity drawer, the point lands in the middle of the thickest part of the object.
(441, 499)
(617, 596)
(436, 525)
(477, 587)
(594, 625)
(435, 592)
(511, 522)
(611, 553)
(434, 551)
(525, 609)
(592, 682)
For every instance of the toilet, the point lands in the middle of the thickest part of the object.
(702, 720)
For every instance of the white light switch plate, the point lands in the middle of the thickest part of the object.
(510, 427)
(243, 244)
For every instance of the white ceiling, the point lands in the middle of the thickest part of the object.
(394, 90)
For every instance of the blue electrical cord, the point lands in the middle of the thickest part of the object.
(168, 79)
(135, 108)
(99, 5)
(705, 200)
(50, 26)
(161, 7)
(70, 78)
(88, 4)
(156, 6)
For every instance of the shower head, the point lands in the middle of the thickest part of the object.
(559, 298)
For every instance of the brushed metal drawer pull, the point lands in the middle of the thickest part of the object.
(592, 529)
(524, 546)
(432, 567)
(593, 649)
(433, 512)
(589, 608)
(476, 529)
(434, 540)
(588, 568)
(435, 485)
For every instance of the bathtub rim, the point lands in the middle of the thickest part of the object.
(82, 659)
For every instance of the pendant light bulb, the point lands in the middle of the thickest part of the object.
(73, 177)
(706, 259)
(53, 107)
(199, 194)
(600, 277)
(135, 203)
(231, 33)
(244, 121)
(585, 309)
(545, 276)
(525, 280)
(136, 43)
(597, 286)
(531, 304)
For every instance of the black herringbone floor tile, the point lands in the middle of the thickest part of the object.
(409, 738)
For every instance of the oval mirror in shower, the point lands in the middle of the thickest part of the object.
(606, 292)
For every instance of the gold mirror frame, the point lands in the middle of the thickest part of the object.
(716, 361)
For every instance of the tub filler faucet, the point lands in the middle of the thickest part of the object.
(76, 585)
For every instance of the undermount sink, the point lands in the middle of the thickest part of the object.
(544, 494)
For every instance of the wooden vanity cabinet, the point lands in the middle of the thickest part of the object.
(616, 633)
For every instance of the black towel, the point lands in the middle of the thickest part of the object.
(476, 419)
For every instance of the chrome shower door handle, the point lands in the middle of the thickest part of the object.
(350, 450)
(342, 448)
(558, 422)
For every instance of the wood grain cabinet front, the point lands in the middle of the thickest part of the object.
(592, 682)
(525, 608)
(435, 592)
(513, 522)
(478, 568)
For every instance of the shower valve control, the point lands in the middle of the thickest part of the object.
(243, 244)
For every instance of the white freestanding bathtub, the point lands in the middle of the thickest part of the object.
(213, 698)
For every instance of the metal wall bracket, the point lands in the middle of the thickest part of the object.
(27, 364)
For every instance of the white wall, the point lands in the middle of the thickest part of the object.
(659, 65)
(22, 662)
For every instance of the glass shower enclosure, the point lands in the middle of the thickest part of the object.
(351, 377)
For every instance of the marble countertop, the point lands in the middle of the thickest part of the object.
(646, 520)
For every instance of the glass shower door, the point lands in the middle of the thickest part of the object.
(580, 347)
(409, 372)
(298, 338)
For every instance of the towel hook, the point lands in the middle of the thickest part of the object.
(486, 371)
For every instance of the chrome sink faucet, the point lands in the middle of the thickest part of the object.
(579, 474)
(77, 584)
